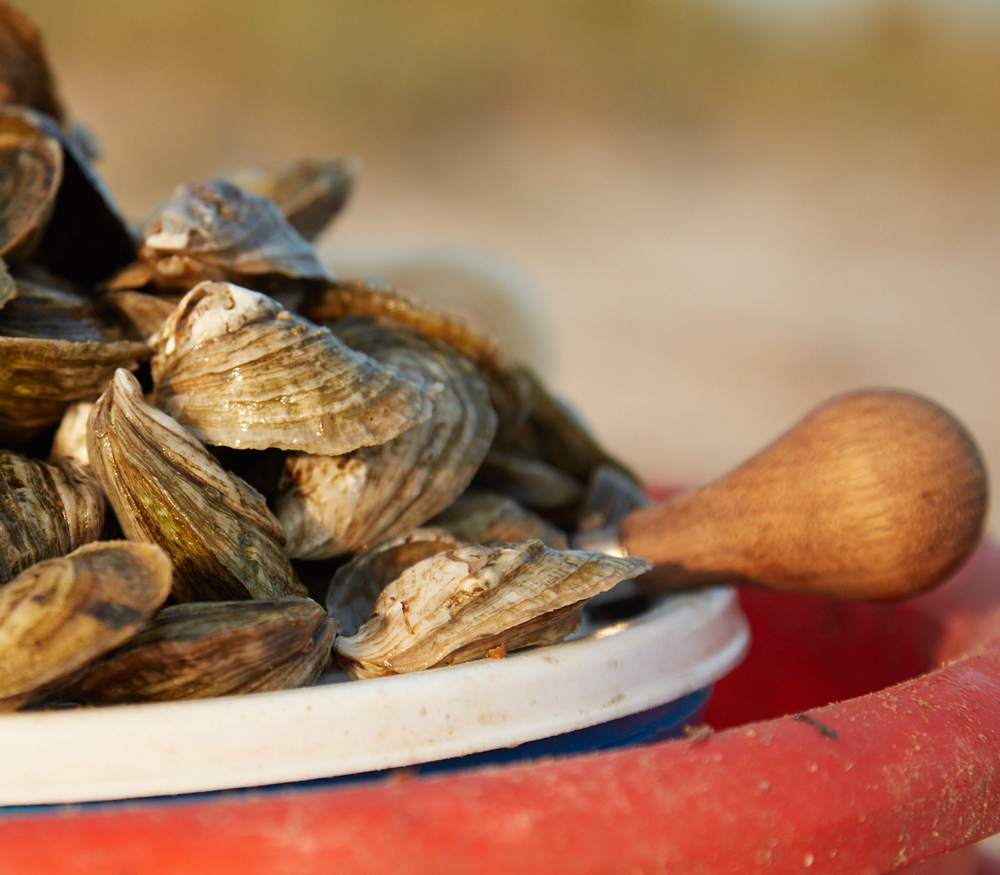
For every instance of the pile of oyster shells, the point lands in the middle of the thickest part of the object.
(224, 470)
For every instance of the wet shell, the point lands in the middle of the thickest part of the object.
(509, 388)
(356, 585)
(60, 614)
(167, 489)
(239, 370)
(309, 192)
(461, 604)
(45, 511)
(482, 517)
(202, 649)
(215, 230)
(331, 506)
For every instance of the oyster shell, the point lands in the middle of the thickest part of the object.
(610, 496)
(329, 506)
(528, 480)
(144, 312)
(8, 290)
(355, 586)
(31, 171)
(479, 516)
(214, 230)
(237, 369)
(167, 489)
(46, 510)
(25, 77)
(202, 649)
(40, 376)
(60, 614)
(510, 390)
(39, 310)
(76, 228)
(309, 192)
(461, 604)
(70, 438)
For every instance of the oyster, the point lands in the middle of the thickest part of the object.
(73, 225)
(510, 390)
(167, 489)
(42, 374)
(202, 649)
(143, 311)
(309, 192)
(334, 505)
(25, 77)
(215, 230)
(479, 516)
(610, 496)
(528, 480)
(46, 510)
(31, 171)
(239, 370)
(60, 614)
(356, 585)
(39, 310)
(70, 438)
(7, 287)
(461, 604)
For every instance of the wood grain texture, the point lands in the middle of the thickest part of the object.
(874, 495)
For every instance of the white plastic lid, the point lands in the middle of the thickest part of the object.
(681, 644)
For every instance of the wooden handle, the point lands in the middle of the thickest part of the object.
(874, 495)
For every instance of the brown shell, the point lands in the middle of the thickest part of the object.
(60, 614)
(310, 192)
(460, 604)
(355, 586)
(25, 77)
(46, 510)
(202, 649)
(167, 489)
(31, 171)
(334, 505)
(509, 389)
(214, 230)
(239, 370)
(41, 376)
(79, 231)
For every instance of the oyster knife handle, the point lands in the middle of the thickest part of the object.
(877, 494)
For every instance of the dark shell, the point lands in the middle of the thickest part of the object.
(309, 192)
(202, 649)
(46, 510)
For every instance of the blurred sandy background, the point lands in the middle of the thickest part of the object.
(725, 212)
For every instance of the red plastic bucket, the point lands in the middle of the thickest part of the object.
(899, 772)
